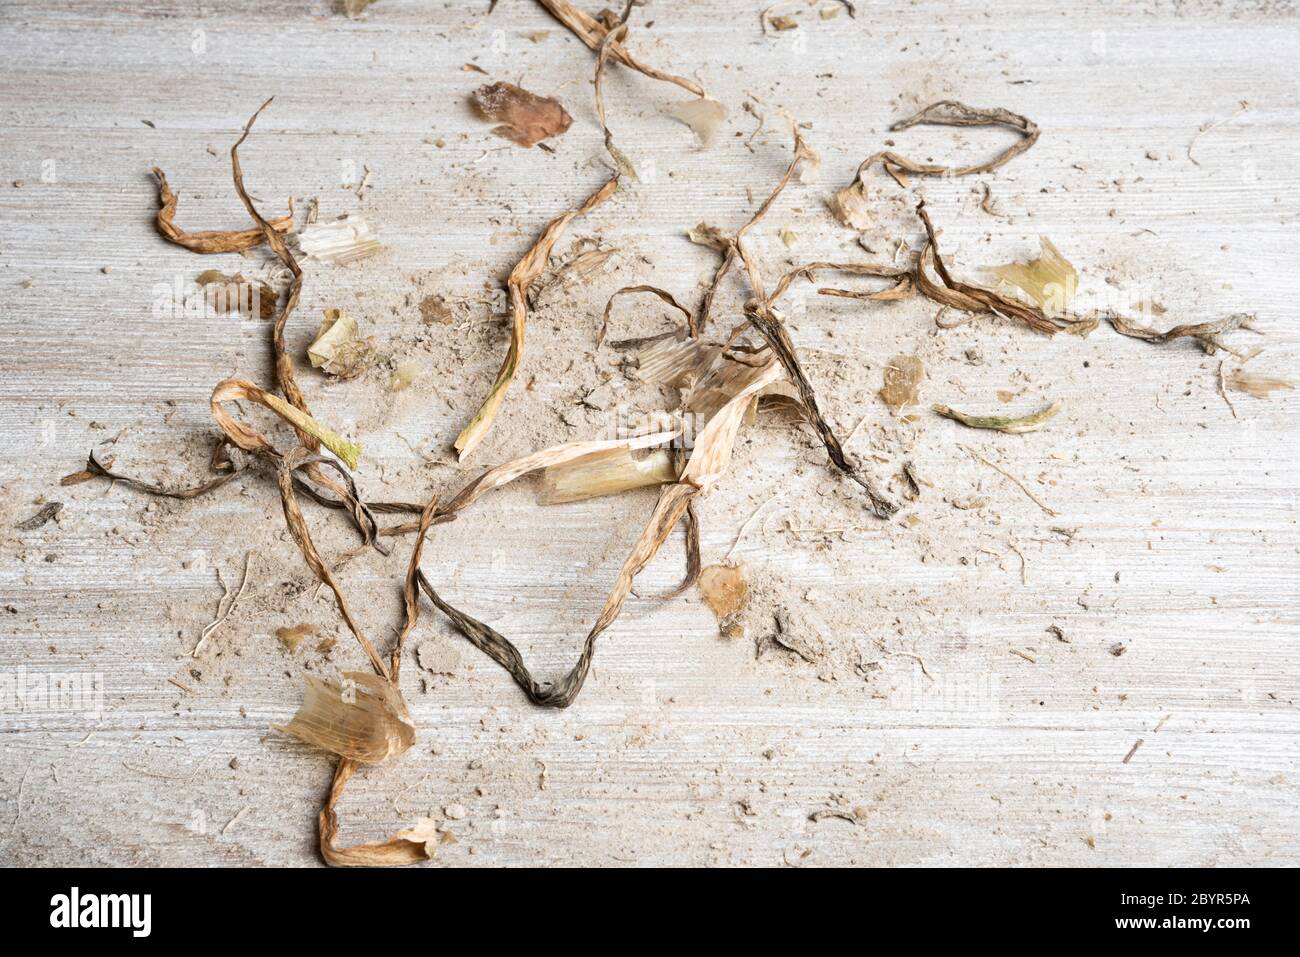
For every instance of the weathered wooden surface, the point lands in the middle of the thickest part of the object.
(683, 748)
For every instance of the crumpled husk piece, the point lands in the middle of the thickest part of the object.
(363, 718)
(1050, 281)
(225, 294)
(338, 350)
(347, 239)
(211, 240)
(524, 118)
(850, 206)
(521, 278)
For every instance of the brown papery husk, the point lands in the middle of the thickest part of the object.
(363, 719)
(522, 276)
(525, 118)
(210, 240)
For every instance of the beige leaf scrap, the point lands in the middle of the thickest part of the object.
(724, 589)
(902, 386)
(524, 118)
(1049, 281)
(362, 718)
(703, 115)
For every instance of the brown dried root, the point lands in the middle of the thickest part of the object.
(902, 288)
(417, 844)
(729, 246)
(526, 271)
(211, 240)
(952, 113)
(617, 33)
(592, 32)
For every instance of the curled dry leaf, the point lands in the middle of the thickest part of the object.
(348, 239)
(411, 846)
(213, 240)
(708, 461)
(952, 113)
(250, 440)
(363, 718)
(968, 298)
(903, 375)
(337, 349)
(1002, 423)
(284, 372)
(521, 278)
(664, 295)
(524, 118)
(1207, 333)
(1050, 281)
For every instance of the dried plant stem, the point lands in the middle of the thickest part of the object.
(283, 360)
(525, 273)
(592, 32)
(214, 240)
